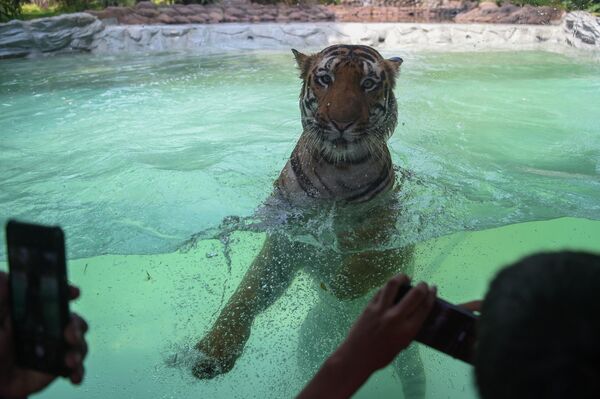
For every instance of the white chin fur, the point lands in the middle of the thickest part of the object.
(344, 152)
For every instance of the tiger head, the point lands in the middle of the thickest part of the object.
(347, 102)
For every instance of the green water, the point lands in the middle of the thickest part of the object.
(134, 155)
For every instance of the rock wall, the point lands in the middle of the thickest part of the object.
(398, 14)
(491, 13)
(83, 32)
(421, 11)
(582, 30)
(443, 37)
(146, 12)
(579, 30)
(404, 3)
(70, 32)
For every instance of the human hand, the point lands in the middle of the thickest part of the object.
(380, 333)
(18, 382)
(384, 328)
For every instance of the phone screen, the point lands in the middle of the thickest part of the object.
(448, 328)
(38, 293)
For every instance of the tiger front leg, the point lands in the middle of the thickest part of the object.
(267, 278)
(224, 343)
(361, 272)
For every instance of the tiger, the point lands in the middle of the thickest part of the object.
(341, 161)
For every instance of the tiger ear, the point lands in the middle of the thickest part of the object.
(392, 66)
(394, 63)
(304, 61)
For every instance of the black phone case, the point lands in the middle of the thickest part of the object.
(35, 348)
(448, 328)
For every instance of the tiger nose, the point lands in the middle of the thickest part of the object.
(341, 126)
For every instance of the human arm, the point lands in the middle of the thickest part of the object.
(382, 331)
(18, 382)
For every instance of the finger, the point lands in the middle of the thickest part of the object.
(75, 329)
(416, 319)
(4, 302)
(83, 350)
(73, 333)
(377, 297)
(411, 301)
(3, 287)
(390, 290)
(81, 321)
(73, 360)
(74, 292)
(76, 376)
(473, 306)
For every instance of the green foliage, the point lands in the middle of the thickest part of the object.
(537, 3)
(589, 5)
(25, 10)
(32, 11)
(9, 9)
(75, 5)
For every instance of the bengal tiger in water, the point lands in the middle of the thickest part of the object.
(342, 163)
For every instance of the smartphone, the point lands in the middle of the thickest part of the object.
(448, 328)
(38, 295)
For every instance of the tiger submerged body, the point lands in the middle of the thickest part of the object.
(342, 160)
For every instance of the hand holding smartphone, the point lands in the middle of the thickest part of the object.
(397, 314)
(448, 328)
(39, 296)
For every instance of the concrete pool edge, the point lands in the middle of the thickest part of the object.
(85, 33)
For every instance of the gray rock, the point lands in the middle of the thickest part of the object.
(244, 36)
(15, 40)
(70, 32)
(508, 13)
(582, 30)
(84, 32)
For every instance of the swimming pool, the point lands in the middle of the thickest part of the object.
(133, 155)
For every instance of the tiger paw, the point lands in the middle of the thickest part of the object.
(215, 358)
(209, 366)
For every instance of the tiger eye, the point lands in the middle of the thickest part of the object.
(368, 84)
(325, 79)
